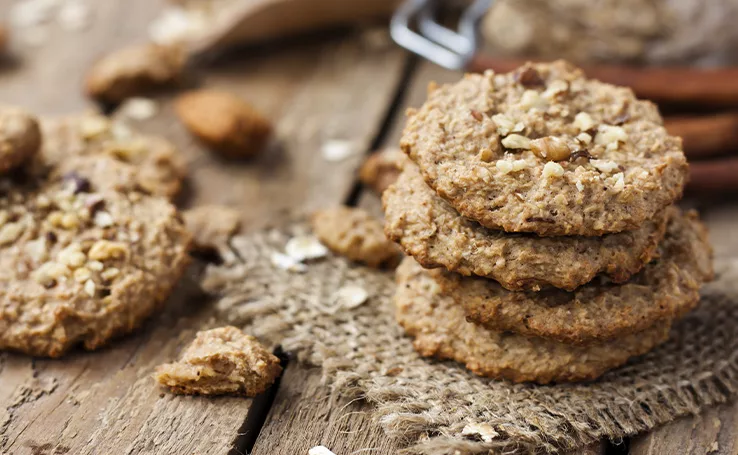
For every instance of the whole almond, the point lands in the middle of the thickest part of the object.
(20, 137)
(134, 71)
(224, 122)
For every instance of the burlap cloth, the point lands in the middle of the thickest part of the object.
(427, 403)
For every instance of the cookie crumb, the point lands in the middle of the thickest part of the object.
(355, 234)
(133, 71)
(225, 123)
(381, 169)
(20, 137)
(211, 226)
(221, 361)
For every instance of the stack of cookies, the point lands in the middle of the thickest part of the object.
(538, 210)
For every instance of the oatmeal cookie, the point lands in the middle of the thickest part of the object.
(440, 330)
(80, 261)
(665, 289)
(430, 230)
(133, 71)
(354, 233)
(381, 169)
(225, 123)
(221, 361)
(160, 169)
(544, 149)
(20, 137)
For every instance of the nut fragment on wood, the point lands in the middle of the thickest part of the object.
(221, 361)
(355, 234)
(134, 71)
(3, 38)
(224, 122)
(211, 226)
(20, 137)
(381, 169)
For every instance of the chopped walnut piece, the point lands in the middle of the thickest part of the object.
(103, 250)
(225, 123)
(355, 234)
(552, 169)
(550, 148)
(221, 361)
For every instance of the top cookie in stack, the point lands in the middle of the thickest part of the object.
(526, 182)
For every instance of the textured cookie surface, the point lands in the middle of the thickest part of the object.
(440, 330)
(665, 289)
(355, 234)
(159, 168)
(80, 260)
(20, 137)
(545, 150)
(221, 361)
(431, 231)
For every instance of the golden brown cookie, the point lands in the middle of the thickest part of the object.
(665, 289)
(160, 169)
(134, 70)
(381, 169)
(440, 330)
(544, 149)
(211, 226)
(221, 361)
(355, 234)
(225, 123)
(20, 137)
(430, 230)
(81, 261)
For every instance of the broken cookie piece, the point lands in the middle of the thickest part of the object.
(381, 169)
(20, 136)
(211, 226)
(354, 233)
(224, 122)
(221, 361)
(134, 71)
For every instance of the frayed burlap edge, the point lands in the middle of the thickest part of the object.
(426, 404)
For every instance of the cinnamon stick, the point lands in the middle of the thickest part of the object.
(719, 176)
(705, 136)
(671, 85)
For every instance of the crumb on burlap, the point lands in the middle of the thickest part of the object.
(355, 234)
(221, 361)
(211, 226)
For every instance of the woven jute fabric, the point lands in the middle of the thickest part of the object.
(426, 403)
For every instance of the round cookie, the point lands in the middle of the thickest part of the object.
(159, 168)
(665, 289)
(20, 137)
(545, 150)
(440, 331)
(431, 231)
(80, 261)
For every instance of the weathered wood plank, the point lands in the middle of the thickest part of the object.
(47, 79)
(105, 401)
(713, 433)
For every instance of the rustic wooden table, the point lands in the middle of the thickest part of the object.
(341, 86)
